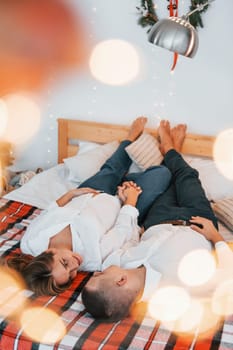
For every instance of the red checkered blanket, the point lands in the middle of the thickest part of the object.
(81, 330)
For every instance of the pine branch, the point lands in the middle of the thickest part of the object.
(195, 19)
(148, 14)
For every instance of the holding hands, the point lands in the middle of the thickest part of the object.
(129, 192)
(208, 229)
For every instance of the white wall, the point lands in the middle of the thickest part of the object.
(199, 93)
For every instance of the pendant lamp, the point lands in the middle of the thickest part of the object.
(177, 34)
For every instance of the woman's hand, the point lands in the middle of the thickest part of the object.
(84, 190)
(128, 192)
(75, 192)
(208, 229)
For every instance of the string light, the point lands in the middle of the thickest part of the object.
(161, 99)
(51, 126)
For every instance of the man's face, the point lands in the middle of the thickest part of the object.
(107, 276)
(65, 265)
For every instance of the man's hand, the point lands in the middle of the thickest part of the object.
(208, 229)
(128, 192)
(75, 192)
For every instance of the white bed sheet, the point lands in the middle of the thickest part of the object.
(43, 188)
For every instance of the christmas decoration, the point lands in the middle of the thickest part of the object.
(149, 16)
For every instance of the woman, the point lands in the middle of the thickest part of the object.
(85, 225)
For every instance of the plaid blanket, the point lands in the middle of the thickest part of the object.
(81, 330)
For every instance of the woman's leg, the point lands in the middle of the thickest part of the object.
(111, 173)
(153, 182)
(114, 169)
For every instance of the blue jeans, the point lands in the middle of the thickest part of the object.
(153, 181)
(184, 197)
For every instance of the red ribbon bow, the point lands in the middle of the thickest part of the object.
(173, 11)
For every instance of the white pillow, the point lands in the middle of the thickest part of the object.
(223, 209)
(85, 146)
(216, 185)
(145, 152)
(84, 165)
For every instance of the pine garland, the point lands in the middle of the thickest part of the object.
(149, 16)
(195, 19)
(147, 10)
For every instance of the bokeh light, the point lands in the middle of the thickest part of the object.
(37, 39)
(190, 319)
(210, 321)
(196, 267)
(197, 318)
(3, 117)
(223, 153)
(42, 325)
(114, 62)
(23, 118)
(169, 303)
(12, 296)
(222, 301)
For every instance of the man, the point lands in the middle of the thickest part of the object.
(175, 225)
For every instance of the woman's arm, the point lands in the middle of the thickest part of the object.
(75, 192)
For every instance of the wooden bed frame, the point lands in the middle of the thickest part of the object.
(70, 129)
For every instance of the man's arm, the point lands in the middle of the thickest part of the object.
(223, 251)
(125, 228)
(207, 229)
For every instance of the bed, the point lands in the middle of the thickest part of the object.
(78, 330)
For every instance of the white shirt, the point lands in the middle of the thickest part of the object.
(161, 249)
(98, 224)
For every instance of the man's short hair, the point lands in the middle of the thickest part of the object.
(108, 304)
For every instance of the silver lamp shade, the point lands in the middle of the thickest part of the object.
(175, 34)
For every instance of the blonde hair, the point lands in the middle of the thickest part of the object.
(37, 273)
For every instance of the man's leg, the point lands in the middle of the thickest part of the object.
(114, 169)
(190, 194)
(185, 197)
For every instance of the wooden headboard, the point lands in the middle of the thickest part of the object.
(70, 129)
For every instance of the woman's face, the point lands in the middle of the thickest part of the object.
(65, 265)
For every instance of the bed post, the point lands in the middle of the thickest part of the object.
(63, 139)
